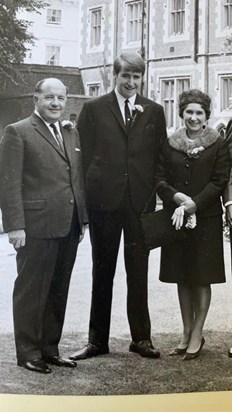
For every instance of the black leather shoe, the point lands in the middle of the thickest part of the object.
(89, 351)
(178, 351)
(145, 349)
(193, 355)
(59, 361)
(35, 365)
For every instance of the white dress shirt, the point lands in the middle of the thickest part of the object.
(50, 128)
(121, 102)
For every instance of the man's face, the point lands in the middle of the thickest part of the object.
(50, 102)
(128, 82)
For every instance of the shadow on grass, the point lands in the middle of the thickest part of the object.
(121, 372)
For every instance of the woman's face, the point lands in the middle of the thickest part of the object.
(194, 117)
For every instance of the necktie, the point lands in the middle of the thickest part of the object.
(127, 114)
(58, 137)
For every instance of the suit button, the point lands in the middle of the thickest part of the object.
(71, 201)
(187, 165)
(67, 168)
(186, 183)
(125, 174)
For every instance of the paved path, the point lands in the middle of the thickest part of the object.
(163, 303)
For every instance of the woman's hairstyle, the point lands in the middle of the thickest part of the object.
(194, 96)
(131, 60)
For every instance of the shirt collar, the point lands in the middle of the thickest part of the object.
(121, 99)
(48, 124)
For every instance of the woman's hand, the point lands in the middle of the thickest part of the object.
(229, 215)
(178, 217)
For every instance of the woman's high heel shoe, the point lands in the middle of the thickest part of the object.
(193, 355)
(178, 351)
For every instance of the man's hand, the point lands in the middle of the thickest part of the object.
(190, 206)
(180, 198)
(229, 215)
(17, 238)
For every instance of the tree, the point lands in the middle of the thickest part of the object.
(14, 36)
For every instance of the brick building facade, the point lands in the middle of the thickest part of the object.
(182, 42)
(17, 103)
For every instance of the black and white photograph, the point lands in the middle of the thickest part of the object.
(116, 205)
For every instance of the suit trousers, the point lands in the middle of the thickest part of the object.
(105, 232)
(40, 293)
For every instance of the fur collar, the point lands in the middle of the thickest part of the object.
(179, 139)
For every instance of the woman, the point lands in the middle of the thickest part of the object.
(193, 172)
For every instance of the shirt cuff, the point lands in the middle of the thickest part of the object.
(228, 203)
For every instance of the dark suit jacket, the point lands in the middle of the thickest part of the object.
(114, 157)
(39, 186)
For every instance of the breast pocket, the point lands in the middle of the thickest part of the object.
(34, 204)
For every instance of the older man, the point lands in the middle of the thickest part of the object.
(43, 208)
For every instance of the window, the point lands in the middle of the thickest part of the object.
(170, 90)
(226, 91)
(96, 27)
(53, 55)
(134, 21)
(228, 13)
(177, 16)
(94, 89)
(53, 16)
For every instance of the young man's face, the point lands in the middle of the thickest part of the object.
(128, 82)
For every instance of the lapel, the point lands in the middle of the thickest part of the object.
(42, 129)
(114, 107)
(67, 138)
(139, 100)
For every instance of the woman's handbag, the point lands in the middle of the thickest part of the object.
(158, 229)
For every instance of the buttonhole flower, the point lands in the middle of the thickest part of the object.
(195, 152)
(67, 124)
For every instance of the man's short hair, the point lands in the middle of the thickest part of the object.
(132, 61)
(39, 85)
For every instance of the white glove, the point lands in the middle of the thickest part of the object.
(191, 221)
(178, 217)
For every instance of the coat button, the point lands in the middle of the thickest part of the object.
(125, 174)
(186, 182)
(67, 168)
(71, 201)
(187, 165)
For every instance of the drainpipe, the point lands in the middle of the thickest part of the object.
(115, 52)
(206, 51)
(196, 31)
(142, 48)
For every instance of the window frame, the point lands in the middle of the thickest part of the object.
(177, 17)
(133, 22)
(57, 61)
(223, 97)
(173, 120)
(227, 15)
(92, 85)
(55, 23)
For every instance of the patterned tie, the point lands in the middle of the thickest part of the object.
(127, 114)
(58, 137)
